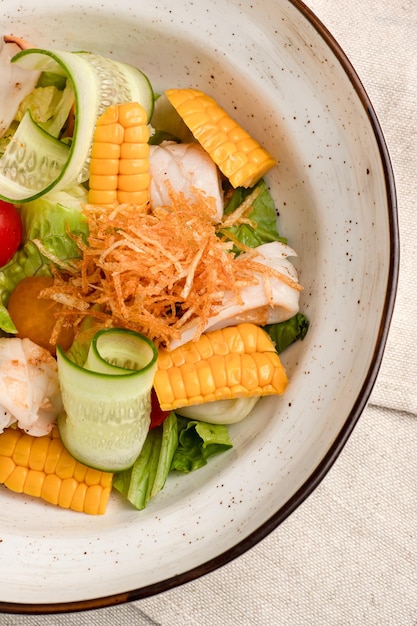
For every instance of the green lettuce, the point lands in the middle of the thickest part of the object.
(178, 444)
(263, 217)
(6, 322)
(286, 333)
(49, 103)
(47, 220)
(148, 474)
(197, 441)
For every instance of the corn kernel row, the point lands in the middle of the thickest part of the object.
(240, 157)
(239, 361)
(119, 166)
(42, 467)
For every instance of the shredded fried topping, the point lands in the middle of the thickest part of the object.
(153, 269)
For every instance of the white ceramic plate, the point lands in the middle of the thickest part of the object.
(273, 66)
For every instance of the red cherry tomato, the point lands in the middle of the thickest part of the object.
(157, 414)
(10, 231)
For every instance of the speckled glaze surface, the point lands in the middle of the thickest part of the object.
(275, 68)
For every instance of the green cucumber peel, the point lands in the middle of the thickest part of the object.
(107, 402)
(97, 83)
(34, 157)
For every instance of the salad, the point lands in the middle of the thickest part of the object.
(146, 293)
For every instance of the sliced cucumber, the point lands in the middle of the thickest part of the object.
(97, 83)
(33, 159)
(107, 402)
(119, 82)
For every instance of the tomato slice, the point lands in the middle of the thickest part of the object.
(157, 414)
(10, 231)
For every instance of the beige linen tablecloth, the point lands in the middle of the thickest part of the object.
(348, 555)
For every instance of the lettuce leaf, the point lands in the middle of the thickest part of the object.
(178, 444)
(263, 216)
(197, 441)
(49, 105)
(47, 220)
(286, 333)
(148, 474)
(6, 322)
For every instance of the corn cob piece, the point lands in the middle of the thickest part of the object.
(240, 157)
(119, 166)
(42, 467)
(238, 361)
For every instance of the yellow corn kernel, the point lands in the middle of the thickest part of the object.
(110, 116)
(78, 499)
(177, 384)
(51, 488)
(106, 151)
(263, 367)
(232, 165)
(38, 453)
(103, 183)
(133, 182)
(106, 480)
(217, 371)
(104, 167)
(92, 477)
(43, 468)
(240, 157)
(66, 465)
(119, 166)
(238, 361)
(134, 150)
(105, 495)
(66, 493)
(8, 441)
(190, 380)
(53, 453)
(242, 341)
(206, 378)
(233, 367)
(238, 134)
(129, 115)
(80, 472)
(213, 140)
(110, 133)
(22, 452)
(17, 479)
(92, 499)
(165, 393)
(133, 166)
(136, 134)
(7, 466)
(189, 354)
(132, 197)
(33, 483)
(101, 197)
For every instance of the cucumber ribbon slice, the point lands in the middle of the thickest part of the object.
(97, 83)
(107, 403)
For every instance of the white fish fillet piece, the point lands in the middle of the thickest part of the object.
(258, 306)
(29, 388)
(185, 167)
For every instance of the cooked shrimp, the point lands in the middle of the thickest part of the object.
(270, 301)
(21, 43)
(15, 82)
(29, 389)
(184, 168)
